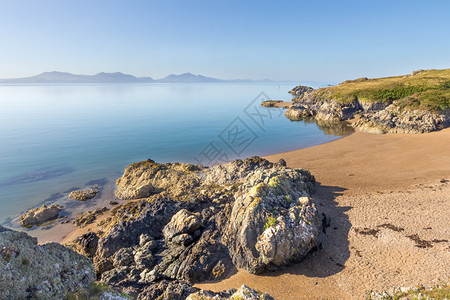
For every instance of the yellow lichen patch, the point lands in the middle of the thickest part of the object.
(218, 271)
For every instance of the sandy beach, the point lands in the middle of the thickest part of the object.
(388, 200)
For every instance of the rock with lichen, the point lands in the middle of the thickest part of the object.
(86, 194)
(32, 271)
(198, 223)
(41, 215)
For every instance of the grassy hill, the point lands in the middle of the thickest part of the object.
(428, 90)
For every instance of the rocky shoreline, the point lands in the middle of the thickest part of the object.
(370, 117)
(189, 223)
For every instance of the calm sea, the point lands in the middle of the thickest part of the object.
(54, 138)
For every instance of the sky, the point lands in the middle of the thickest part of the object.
(281, 40)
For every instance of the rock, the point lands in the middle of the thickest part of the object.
(151, 219)
(270, 103)
(145, 178)
(243, 293)
(88, 217)
(32, 271)
(300, 90)
(85, 244)
(86, 194)
(183, 221)
(123, 258)
(200, 223)
(393, 119)
(390, 116)
(115, 276)
(39, 216)
(167, 290)
(269, 226)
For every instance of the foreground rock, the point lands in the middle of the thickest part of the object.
(199, 223)
(86, 194)
(41, 215)
(31, 271)
(243, 293)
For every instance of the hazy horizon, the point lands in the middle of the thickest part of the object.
(287, 40)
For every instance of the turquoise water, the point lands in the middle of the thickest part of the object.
(54, 138)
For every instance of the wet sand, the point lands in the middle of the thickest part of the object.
(390, 218)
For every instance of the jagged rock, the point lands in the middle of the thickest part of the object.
(269, 224)
(393, 119)
(151, 219)
(234, 171)
(377, 116)
(167, 290)
(183, 222)
(123, 258)
(41, 215)
(88, 217)
(85, 244)
(224, 221)
(31, 271)
(145, 178)
(300, 89)
(86, 194)
(243, 293)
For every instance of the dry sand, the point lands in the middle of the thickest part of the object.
(385, 198)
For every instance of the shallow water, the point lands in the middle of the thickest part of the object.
(55, 138)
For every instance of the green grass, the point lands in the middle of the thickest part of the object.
(429, 90)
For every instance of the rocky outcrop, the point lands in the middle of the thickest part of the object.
(85, 244)
(41, 215)
(145, 178)
(376, 117)
(320, 106)
(271, 223)
(86, 194)
(300, 89)
(243, 293)
(31, 271)
(199, 223)
(392, 119)
(270, 103)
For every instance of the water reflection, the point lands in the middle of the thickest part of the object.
(331, 127)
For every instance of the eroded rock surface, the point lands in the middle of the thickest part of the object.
(31, 271)
(200, 223)
(243, 293)
(41, 215)
(86, 194)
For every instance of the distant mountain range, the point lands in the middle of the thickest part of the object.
(62, 77)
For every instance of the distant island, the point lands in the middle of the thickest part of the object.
(117, 77)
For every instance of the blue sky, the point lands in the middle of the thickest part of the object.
(281, 40)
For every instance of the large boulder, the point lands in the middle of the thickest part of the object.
(41, 215)
(32, 271)
(272, 223)
(86, 194)
(183, 222)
